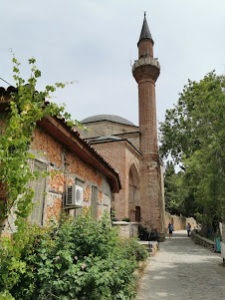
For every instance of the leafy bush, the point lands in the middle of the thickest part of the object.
(5, 295)
(143, 233)
(134, 250)
(81, 259)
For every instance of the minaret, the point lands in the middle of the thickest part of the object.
(146, 71)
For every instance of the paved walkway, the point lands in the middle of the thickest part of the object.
(182, 270)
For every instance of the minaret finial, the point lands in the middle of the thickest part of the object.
(145, 32)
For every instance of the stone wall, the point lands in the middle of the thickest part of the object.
(179, 222)
(200, 240)
(126, 229)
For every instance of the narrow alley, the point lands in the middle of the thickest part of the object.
(182, 270)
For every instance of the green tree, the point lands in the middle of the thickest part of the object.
(171, 184)
(179, 192)
(193, 137)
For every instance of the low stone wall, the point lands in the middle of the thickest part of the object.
(151, 246)
(179, 222)
(127, 229)
(200, 240)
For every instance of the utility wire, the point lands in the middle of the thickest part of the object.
(5, 81)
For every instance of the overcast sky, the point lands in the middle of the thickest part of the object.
(94, 43)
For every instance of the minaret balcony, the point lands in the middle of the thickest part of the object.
(146, 61)
(146, 68)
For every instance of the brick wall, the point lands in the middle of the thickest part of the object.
(64, 166)
(121, 157)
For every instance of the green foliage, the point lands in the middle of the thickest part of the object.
(134, 249)
(81, 259)
(6, 296)
(179, 193)
(193, 136)
(27, 107)
(143, 233)
(171, 187)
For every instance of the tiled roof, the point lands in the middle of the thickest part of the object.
(7, 91)
(85, 148)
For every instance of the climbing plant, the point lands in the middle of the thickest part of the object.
(26, 107)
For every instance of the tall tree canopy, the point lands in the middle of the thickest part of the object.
(193, 137)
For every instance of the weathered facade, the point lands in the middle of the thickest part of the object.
(77, 176)
(133, 150)
(119, 150)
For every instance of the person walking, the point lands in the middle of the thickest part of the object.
(188, 229)
(170, 229)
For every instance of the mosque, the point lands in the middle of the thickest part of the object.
(133, 150)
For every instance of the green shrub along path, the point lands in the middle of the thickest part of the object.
(79, 259)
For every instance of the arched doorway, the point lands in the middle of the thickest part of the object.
(134, 195)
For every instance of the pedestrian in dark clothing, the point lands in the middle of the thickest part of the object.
(188, 229)
(170, 229)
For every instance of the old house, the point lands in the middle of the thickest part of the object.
(77, 176)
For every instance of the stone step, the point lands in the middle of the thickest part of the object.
(152, 246)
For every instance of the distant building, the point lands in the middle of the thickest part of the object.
(133, 150)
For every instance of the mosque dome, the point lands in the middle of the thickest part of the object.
(112, 118)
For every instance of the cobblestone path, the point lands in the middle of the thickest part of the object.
(182, 270)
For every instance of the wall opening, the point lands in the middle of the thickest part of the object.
(138, 214)
(134, 195)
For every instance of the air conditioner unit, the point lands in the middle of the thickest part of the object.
(74, 195)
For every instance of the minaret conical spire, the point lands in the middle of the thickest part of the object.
(145, 32)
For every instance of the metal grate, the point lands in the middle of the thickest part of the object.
(69, 195)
